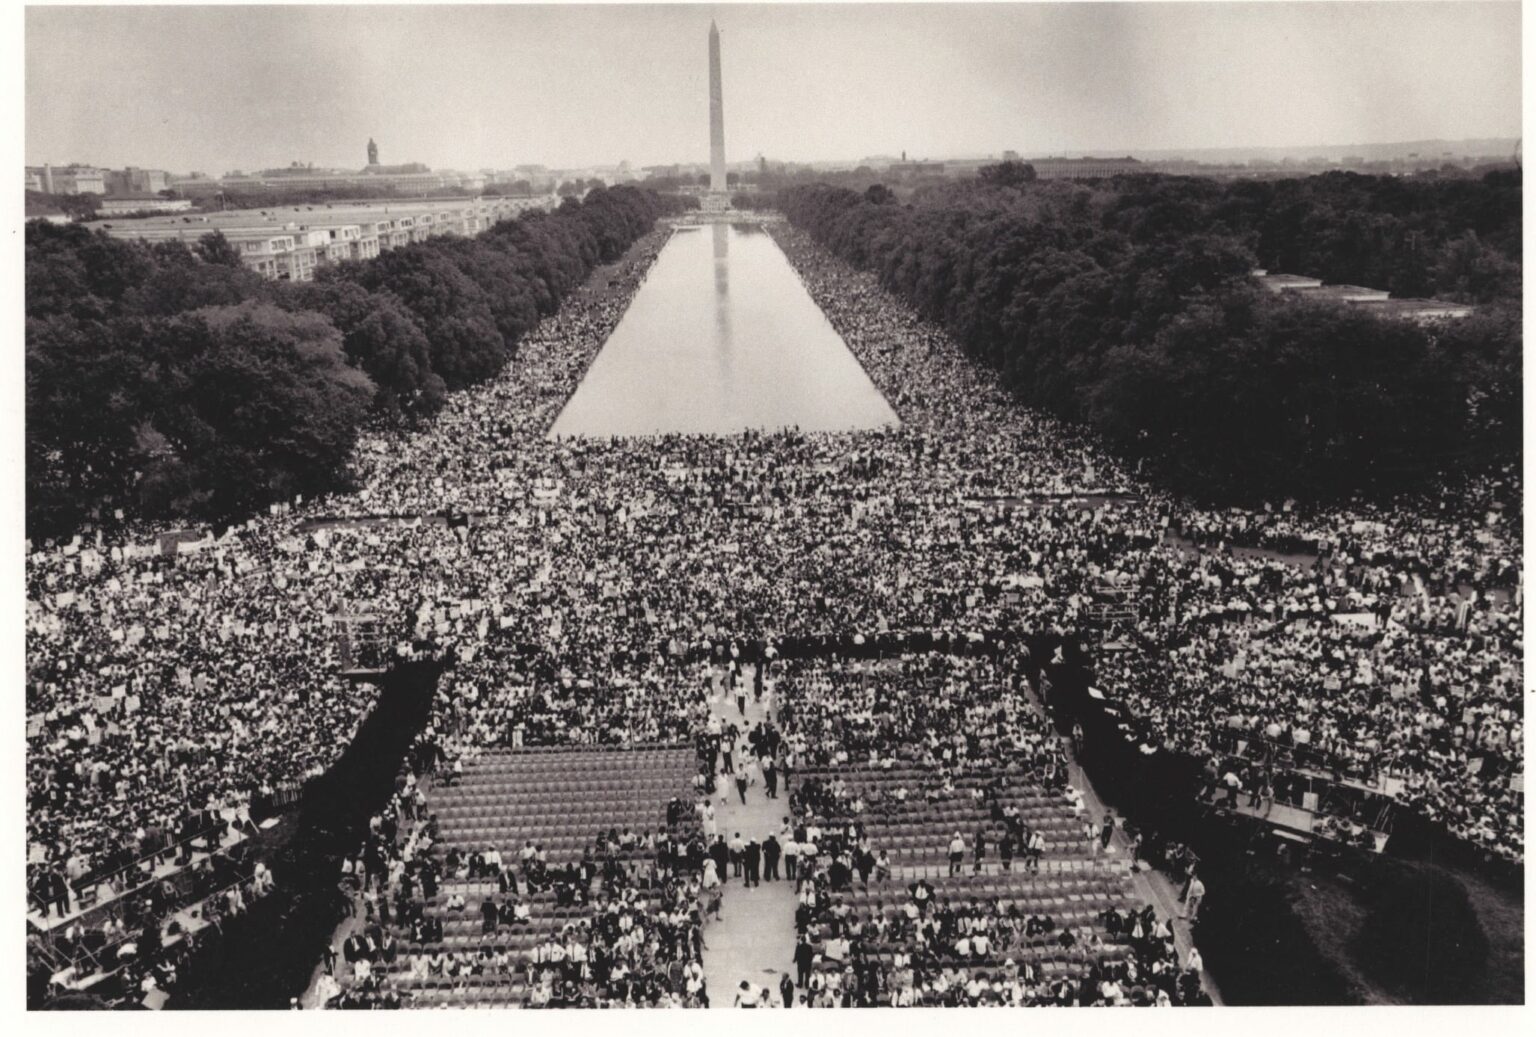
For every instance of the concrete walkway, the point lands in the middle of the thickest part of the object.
(755, 938)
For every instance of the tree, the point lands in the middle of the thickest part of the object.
(1129, 304)
(1007, 174)
(215, 248)
(184, 279)
(450, 308)
(262, 405)
(72, 270)
(172, 381)
(380, 336)
(85, 389)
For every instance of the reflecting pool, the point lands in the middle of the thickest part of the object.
(721, 337)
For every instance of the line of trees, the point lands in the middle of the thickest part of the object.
(168, 381)
(1127, 304)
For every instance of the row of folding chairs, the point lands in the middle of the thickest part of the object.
(1052, 964)
(613, 814)
(1027, 803)
(570, 786)
(914, 850)
(921, 824)
(553, 766)
(477, 834)
(993, 882)
(642, 804)
(483, 887)
(904, 772)
(531, 752)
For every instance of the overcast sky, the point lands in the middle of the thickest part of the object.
(220, 88)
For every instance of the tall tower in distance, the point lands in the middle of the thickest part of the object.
(716, 116)
(373, 152)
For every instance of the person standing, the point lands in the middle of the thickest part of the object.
(807, 854)
(1264, 796)
(721, 854)
(1107, 832)
(804, 955)
(1192, 902)
(737, 846)
(787, 987)
(980, 849)
(1036, 848)
(771, 853)
(770, 777)
(956, 853)
(752, 857)
(791, 854)
(741, 782)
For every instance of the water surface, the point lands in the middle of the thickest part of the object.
(722, 337)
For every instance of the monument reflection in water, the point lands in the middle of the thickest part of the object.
(755, 352)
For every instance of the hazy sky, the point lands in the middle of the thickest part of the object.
(222, 88)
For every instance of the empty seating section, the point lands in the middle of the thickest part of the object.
(562, 801)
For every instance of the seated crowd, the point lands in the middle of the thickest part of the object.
(619, 925)
(903, 751)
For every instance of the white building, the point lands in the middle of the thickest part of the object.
(291, 242)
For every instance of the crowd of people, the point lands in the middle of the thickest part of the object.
(625, 930)
(571, 581)
(958, 733)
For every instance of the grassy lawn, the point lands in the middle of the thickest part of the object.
(1502, 913)
(1332, 910)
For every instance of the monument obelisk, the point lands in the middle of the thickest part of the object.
(717, 185)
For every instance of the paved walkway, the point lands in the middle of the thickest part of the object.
(755, 938)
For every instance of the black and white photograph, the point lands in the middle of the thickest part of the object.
(770, 506)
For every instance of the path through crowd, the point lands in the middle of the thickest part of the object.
(755, 938)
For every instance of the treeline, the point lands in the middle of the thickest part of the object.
(168, 381)
(1128, 305)
(1448, 237)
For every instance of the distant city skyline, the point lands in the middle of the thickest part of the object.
(576, 87)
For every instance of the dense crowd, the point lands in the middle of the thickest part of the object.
(166, 696)
(966, 726)
(572, 581)
(627, 927)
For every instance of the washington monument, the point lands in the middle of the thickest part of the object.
(716, 116)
